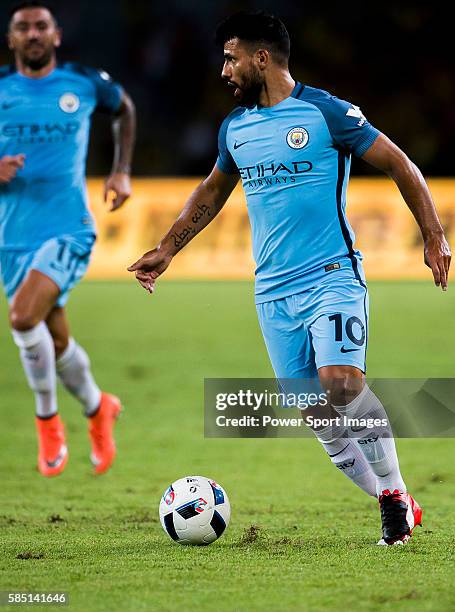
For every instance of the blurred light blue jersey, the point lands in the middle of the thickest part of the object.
(294, 161)
(48, 119)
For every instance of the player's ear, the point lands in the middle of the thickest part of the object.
(262, 57)
(9, 42)
(58, 37)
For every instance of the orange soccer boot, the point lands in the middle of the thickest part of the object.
(52, 452)
(101, 426)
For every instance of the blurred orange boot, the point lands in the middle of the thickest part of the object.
(52, 453)
(101, 426)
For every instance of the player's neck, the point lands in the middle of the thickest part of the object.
(277, 88)
(36, 74)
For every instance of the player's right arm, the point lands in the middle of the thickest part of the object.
(9, 165)
(201, 208)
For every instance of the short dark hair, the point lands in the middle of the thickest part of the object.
(256, 27)
(25, 4)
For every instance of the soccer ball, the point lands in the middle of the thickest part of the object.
(195, 510)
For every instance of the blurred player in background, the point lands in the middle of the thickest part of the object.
(46, 230)
(291, 145)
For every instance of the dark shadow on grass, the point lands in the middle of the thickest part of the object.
(27, 554)
(413, 594)
(55, 518)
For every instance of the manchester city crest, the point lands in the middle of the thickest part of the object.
(297, 138)
(69, 103)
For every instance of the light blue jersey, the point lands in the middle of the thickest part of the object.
(48, 119)
(294, 162)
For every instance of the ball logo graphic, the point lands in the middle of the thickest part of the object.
(199, 505)
(69, 103)
(169, 496)
(297, 138)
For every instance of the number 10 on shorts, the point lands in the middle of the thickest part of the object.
(353, 330)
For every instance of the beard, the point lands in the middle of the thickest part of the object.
(249, 92)
(37, 62)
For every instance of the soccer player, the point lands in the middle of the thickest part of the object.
(46, 230)
(291, 145)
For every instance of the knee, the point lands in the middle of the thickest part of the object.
(60, 344)
(342, 383)
(22, 319)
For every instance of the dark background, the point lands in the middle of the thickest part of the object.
(392, 60)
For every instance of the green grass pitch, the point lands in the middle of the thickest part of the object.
(302, 537)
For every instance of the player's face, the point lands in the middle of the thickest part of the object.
(241, 72)
(33, 36)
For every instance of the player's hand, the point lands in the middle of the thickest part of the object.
(149, 267)
(117, 189)
(9, 165)
(437, 257)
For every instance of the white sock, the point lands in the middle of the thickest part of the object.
(38, 359)
(73, 369)
(377, 443)
(347, 458)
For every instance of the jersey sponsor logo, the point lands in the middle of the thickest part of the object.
(69, 102)
(273, 173)
(355, 111)
(237, 145)
(263, 170)
(25, 133)
(297, 138)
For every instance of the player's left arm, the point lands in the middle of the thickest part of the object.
(118, 183)
(386, 156)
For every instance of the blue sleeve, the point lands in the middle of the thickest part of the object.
(347, 124)
(108, 93)
(225, 161)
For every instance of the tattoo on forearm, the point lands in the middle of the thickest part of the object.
(180, 237)
(185, 235)
(202, 209)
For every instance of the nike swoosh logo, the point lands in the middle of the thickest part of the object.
(339, 452)
(56, 267)
(345, 350)
(58, 460)
(240, 144)
(7, 105)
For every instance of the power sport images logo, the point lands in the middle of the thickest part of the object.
(273, 173)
